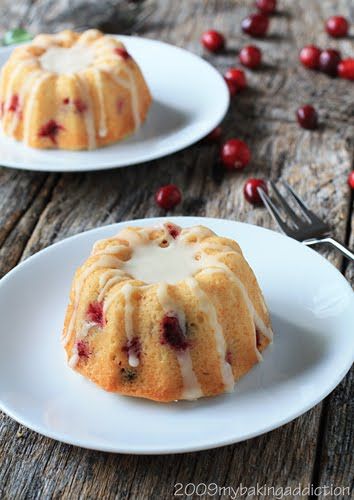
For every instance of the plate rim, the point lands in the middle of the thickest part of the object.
(88, 167)
(85, 443)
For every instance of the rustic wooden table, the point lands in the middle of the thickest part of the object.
(37, 209)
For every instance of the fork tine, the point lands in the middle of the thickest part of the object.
(295, 219)
(300, 203)
(272, 209)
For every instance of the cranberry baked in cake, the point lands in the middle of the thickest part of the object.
(72, 91)
(166, 313)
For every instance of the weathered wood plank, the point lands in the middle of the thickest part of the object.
(336, 447)
(37, 210)
(22, 199)
(337, 437)
(16, 195)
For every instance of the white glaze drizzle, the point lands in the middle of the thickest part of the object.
(134, 236)
(31, 102)
(87, 113)
(252, 312)
(19, 67)
(107, 250)
(45, 41)
(21, 99)
(104, 261)
(219, 247)
(134, 97)
(110, 45)
(109, 279)
(207, 264)
(127, 291)
(256, 350)
(258, 322)
(138, 238)
(206, 306)
(191, 386)
(15, 116)
(82, 333)
(129, 85)
(260, 325)
(119, 80)
(80, 56)
(66, 60)
(111, 250)
(112, 298)
(151, 263)
(196, 232)
(99, 41)
(102, 129)
(91, 36)
(105, 48)
(213, 265)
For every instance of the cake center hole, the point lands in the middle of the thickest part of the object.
(66, 60)
(153, 263)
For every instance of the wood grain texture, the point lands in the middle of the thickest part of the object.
(39, 209)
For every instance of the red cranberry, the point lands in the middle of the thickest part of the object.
(228, 357)
(83, 349)
(172, 333)
(168, 196)
(120, 105)
(346, 69)
(122, 52)
(80, 106)
(251, 56)
(235, 154)
(266, 6)
(213, 40)
(214, 135)
(14, 103)
(255, 25)
(351, 179)
(231, 86)
(173, 230)
(307, 117)
(310, 56)
(329, 61)
(50, 129)
(250, 190)
(133, 347)
(237, 77)
(337, 26)
(95, 313)
(66, 100)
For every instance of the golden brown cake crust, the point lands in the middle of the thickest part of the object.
(101, 103)
(166, 340)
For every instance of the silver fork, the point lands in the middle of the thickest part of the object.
(307, 228)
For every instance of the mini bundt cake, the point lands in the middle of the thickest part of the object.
(72, 91)
(166, 313)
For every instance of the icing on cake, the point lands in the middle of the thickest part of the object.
(162, 259)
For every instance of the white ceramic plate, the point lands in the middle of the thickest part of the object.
(189, 99)
(312, 308)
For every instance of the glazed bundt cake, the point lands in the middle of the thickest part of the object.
(166, 313)
(72, 91)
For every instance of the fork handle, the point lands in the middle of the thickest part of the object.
(342, 248)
